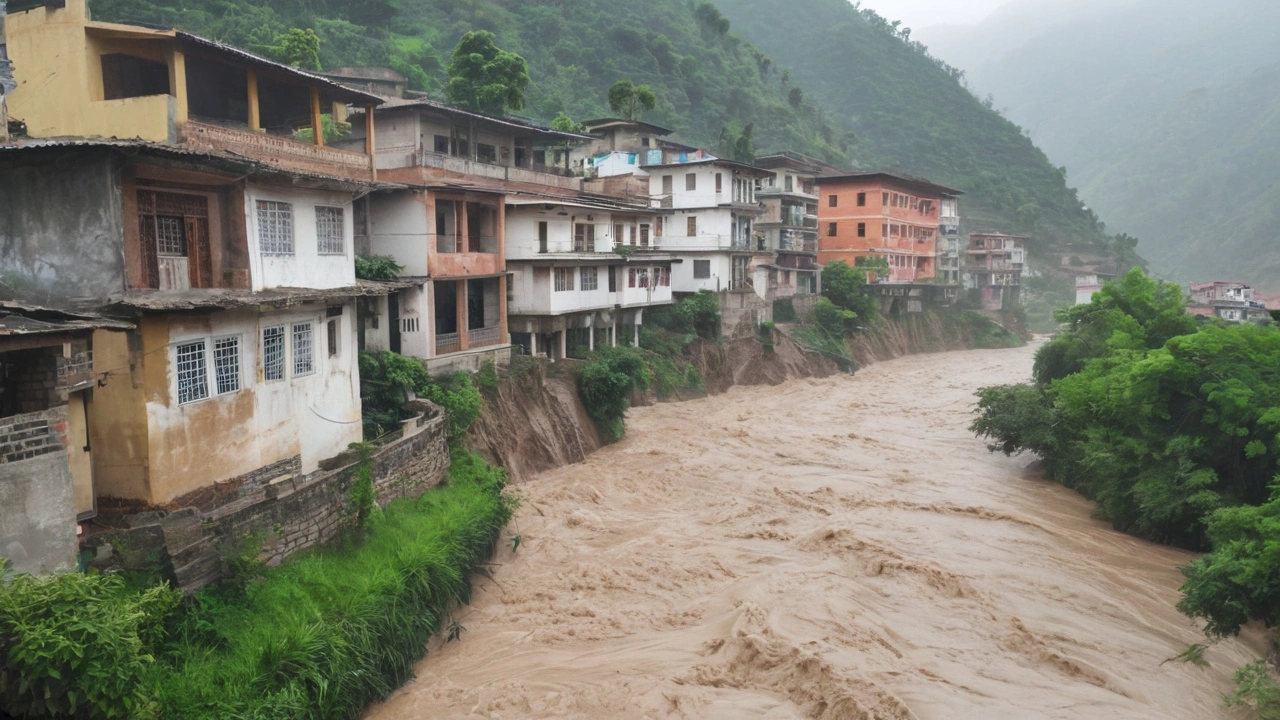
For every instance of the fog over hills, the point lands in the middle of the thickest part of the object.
(1166, 114)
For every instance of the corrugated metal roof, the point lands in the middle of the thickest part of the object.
(398, 103)
(222, 298)
(19, 319)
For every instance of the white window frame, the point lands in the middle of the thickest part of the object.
(589, 273)
(275, 228)
(284, 351)
(295, 356)
(336, 220)
(202, 377)
(239, 364)
(562, 279)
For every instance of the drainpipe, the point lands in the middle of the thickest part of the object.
(7, 83)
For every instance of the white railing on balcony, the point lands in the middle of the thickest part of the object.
(447, 343)
(484, 336)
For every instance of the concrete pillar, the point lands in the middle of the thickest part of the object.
(370, 148)
(635, 333)
(463, 341)
(460, 225)
(564, 344)
(178, 85)
(533, 343)
(255, 122)
(613, 332)
(317, 130)
(591, 338)
(502, 310)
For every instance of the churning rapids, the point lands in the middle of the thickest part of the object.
(834, 548)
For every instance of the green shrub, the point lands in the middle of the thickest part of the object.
(1255, 687)
(377, 267)
(846, 288)
(605, 385)
(784, 311)
(834, 320)
(79, 645)
(461, 401)
(386, 376)
(698, 314)
(487, 378)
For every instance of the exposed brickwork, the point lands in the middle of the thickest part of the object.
(23, 437)
(288, 511)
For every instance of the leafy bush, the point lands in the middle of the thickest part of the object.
(605, 385)
(461, 401)
(1257, 688)
(698, 314)
(845, 287)
(377, 267)
(79, 645)
(833, 319)
(386, 376)
(784, 311)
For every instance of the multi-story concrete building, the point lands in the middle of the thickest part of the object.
(950, 251)
(446, 225)
(881, 215)
(789, 224)
(993, 268)
(1087, 285)
(583, 271)
(1230, 301)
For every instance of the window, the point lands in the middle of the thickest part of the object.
(790, 183)
(171, 237)
(719, 182)
(613, 279)
(885, 200)
(638, 277)
(330, 231)
(644, 142)
(331, 333)
(303, 342)
(862, 229)
(584, 237)
(126, 76)
(542, 236)
(618, 233)
(275, 228)
(644, 235)
(273, 353)
(442, 144)
(657, 226)
(590, 278)
(701, 269)
(884, 230)
(226, 364)
(486, 153)
(832, 200)
(862, 199)
(667, 185)
(831, 229)
(564, 279)
(662, 276)
(692, 222)
(193, 377)
(691, 182)
(633, 236)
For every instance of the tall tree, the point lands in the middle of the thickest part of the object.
(631, 100)
(297, 48)
(485, 78)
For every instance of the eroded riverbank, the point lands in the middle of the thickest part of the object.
(829, 548)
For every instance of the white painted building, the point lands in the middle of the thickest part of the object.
(583, 270)
(789, 226)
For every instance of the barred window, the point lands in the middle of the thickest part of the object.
(701, 269)
(275, 227)
(273, 353)
(171, 236)
(330, 231)
(564, 279)
(303, 359)
(193, 373)
(226, 364)
(590, 278)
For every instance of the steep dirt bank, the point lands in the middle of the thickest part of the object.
(534, 420)
(912, 334)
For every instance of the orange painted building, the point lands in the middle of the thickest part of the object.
(876, 214)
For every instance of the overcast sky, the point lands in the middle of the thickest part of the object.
(918, 14)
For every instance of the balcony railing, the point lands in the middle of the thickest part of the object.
(280, 151)
(447, 343)
(484, 336)
(455, 243)
(76, 370)
(479, 168)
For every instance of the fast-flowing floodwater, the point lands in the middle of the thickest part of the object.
(835, 548)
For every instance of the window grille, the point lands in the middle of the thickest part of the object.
(692, 223)
(332, 328)
(171, 236)
(275, 227)
(273, 353)
(226, 364)
(701, 269)
(330, 231)
(193, 374)
(303, 342)
(590, 278)
(564, 279)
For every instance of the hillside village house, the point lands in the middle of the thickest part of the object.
(582, 271)
(1230, 301)
(77, 77)
(239, 280)
(446, 225)
(881, 215)
(1088, 285)
(993, 269)
(789, 225)
(950, 250)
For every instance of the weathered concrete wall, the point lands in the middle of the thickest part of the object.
(290, 514)
(60, 229)
(37, 508)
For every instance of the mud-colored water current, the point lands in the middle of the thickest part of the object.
(834, 548)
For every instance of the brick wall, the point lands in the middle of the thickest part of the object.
(23, 437)
(289, 513)
(37, 508)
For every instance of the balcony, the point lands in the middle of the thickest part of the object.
(481, 337)
(76, 372)
(282, 152)
(447, 343)
(410, 155)
(776, 191)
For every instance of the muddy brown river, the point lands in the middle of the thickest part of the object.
(835, 548)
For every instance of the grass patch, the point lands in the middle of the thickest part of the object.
(817, 338)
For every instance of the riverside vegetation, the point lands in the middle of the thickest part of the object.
(322, 636)
(1171, 424)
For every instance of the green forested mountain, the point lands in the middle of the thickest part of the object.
(1166, 112)
(911, 112)
(819, 77)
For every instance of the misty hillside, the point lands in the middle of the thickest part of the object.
(1166, 114)
(909, 112)
(820, 78)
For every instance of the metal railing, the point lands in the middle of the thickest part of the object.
(447, 343)
(455, 243)
(75, 370)
(484, 336)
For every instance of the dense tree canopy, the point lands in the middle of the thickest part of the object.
(485, 78)
(630, 100)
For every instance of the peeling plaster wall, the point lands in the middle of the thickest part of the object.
(60, 229)
(37, 508)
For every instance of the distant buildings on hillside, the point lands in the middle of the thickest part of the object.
(1230, 301)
